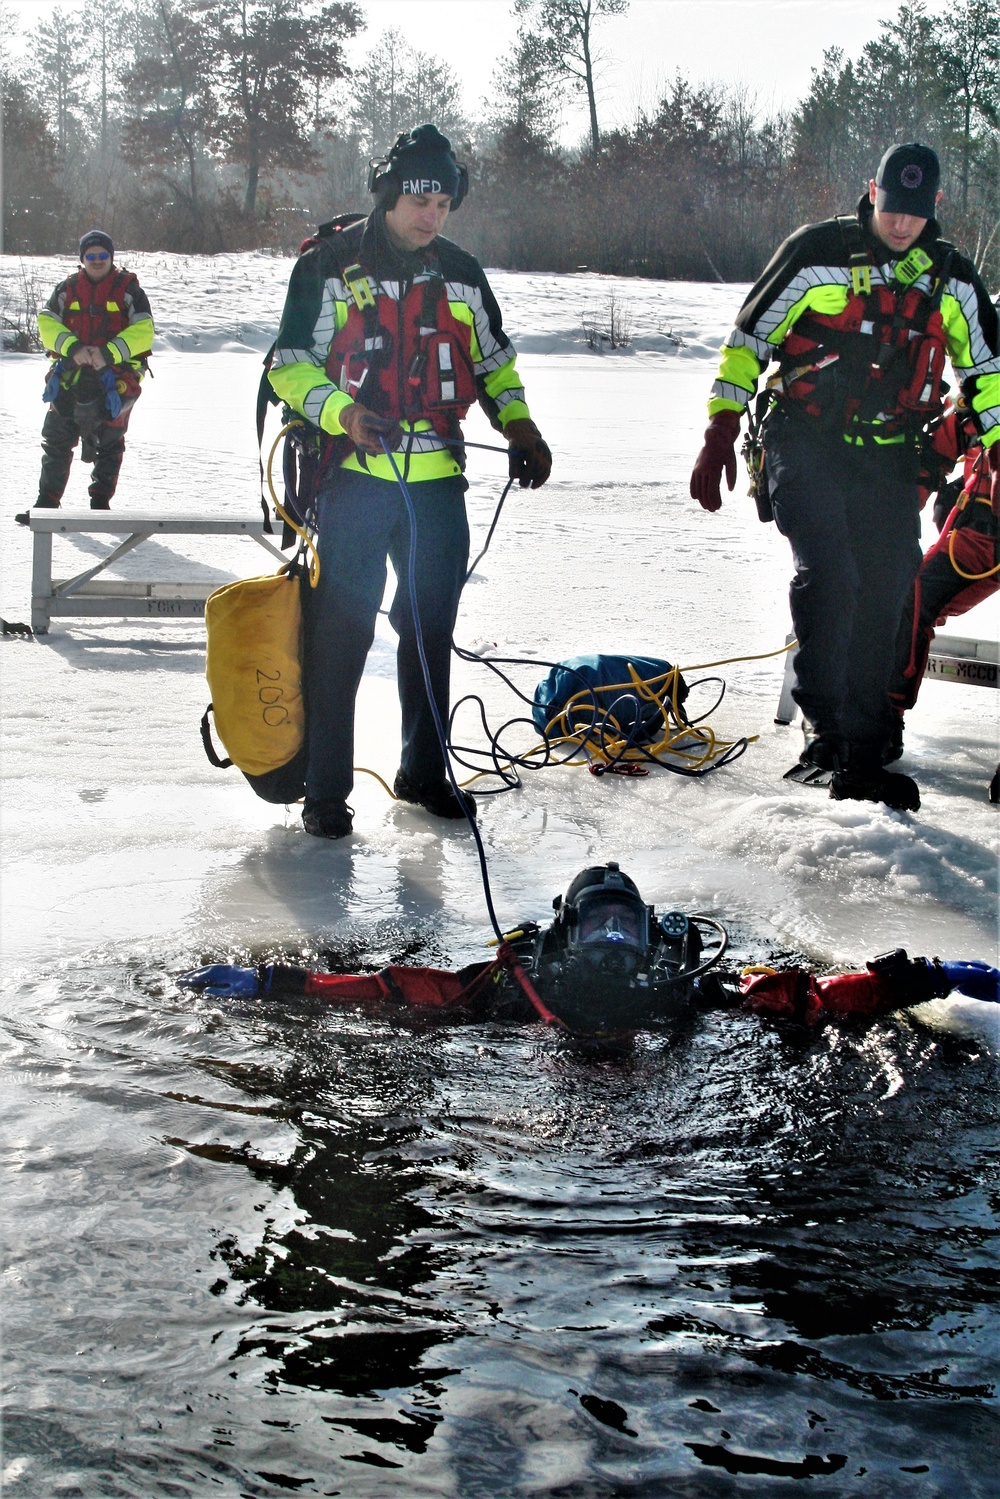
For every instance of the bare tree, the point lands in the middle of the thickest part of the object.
(564, 31)
(970, 64)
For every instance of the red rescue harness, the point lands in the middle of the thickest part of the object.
(409, 357)
(877, 366)
(88, 313)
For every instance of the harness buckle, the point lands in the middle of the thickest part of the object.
(861, 275)
(359, 286)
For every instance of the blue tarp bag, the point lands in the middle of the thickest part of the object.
(580, 676)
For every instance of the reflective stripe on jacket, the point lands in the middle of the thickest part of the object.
(113, 314)
(810, 278)
(308, 366)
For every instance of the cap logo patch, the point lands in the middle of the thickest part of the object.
(911, 176)
(422, 185)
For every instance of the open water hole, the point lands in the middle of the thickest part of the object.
(277, 1247)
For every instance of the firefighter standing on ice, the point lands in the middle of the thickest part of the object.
(98, 327)
(391, 332)
(859, 312)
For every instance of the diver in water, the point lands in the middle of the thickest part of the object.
(607, 966)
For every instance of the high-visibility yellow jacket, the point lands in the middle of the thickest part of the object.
(805, 299)
(329, 290)
(112, 314)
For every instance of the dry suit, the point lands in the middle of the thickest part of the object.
(114, 315)
(417, 337)
(860, 336)
(958, 571)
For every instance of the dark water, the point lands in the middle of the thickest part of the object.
(270, 1250)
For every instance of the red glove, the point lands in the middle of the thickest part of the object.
(993, 460)
(718, 453)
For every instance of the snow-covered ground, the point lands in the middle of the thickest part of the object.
(119, 838)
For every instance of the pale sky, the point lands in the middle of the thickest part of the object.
(768, 45)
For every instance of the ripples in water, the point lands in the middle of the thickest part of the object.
(271, 1249)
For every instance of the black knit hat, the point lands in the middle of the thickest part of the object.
(907, 180)
(97, 237)
(420, 162)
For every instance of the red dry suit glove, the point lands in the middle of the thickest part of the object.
(365, 428)
(529, 459)
(718, 453)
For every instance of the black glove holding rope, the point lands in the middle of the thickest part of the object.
(530, 461)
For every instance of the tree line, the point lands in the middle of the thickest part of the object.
(209, 125)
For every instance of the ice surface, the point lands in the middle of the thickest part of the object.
(120, 838)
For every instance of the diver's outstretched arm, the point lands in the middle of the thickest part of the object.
(891, 982)
(414, 988)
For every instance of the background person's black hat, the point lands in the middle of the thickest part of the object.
(420, 162)
(99, 238)
(907, 181)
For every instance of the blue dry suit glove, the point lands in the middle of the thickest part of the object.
(223, 981)
(53, 384)
(974, 978)
(112, 399)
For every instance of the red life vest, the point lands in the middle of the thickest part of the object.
(877, 366)
(87, 312)
(410, 359)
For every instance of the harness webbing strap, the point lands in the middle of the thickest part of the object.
(857, 254)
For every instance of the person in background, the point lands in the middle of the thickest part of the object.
(860, 313)
(389, 334)
(962, 567)
(98, 329)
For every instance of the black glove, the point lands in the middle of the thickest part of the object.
(529, 459)
(945, 501)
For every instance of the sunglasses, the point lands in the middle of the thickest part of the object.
(97, 255)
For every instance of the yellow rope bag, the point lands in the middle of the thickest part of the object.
(254, 668)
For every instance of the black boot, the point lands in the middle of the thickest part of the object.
(436, 798)
(327, 817)
(862, 779)
(819, 758)
(894, 748)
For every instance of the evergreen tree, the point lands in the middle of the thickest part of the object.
(266, 56)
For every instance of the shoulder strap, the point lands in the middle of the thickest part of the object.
(947, 254)
(330, 230)
(858, 259)
(339, 224)
(431, 302)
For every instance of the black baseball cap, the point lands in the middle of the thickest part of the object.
(907, 180)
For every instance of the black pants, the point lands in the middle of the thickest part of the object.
(853, 521)
(60, 435)
(361, 521)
